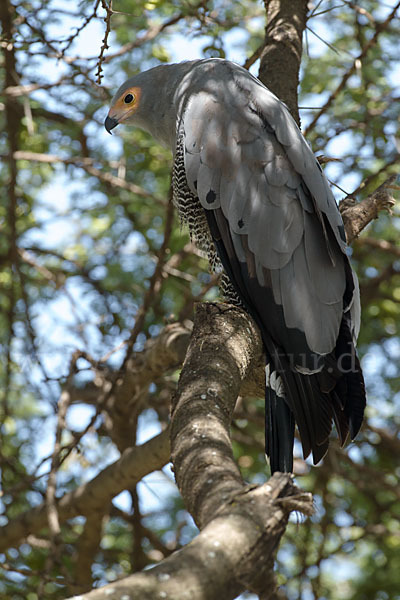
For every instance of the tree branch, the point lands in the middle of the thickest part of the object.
(152, 32)
(356, 216)
(13, 115)
(242, 524)
(281, 56)
(224, 348)
(224, 344)
(232, 543)
(86, 550)
(380, 27)
(161, 354)
(124, 473)
(120, 418)
(87, 164)
(104, 46)
(382, 245)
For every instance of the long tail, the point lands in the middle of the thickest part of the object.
(279, 424)
(312, 401)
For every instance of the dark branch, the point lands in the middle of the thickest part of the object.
(105, 46)
(280, 59)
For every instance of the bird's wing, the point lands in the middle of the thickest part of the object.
(280, 237)
(246, 159)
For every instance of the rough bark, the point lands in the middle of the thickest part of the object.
(224, 347)
(236, 546)
(218, 562)
(357, 215)
(241, 525)
(224, 344)
(281, 57)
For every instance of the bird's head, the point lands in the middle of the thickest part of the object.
(125, 104)
(151, 100)
(142, 101)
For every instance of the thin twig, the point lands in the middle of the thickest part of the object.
(105, 46)
(51, 504)
(361, 11)
(380, 27)
(69, 41)
(254, 57)
(368, 180)
(331, 46)
(150, 34)
(154, 286)
(87, 164)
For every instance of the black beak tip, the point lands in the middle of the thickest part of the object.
(110, 123)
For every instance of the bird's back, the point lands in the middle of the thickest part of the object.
(280, 237)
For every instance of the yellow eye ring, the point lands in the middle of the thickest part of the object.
(129, 98)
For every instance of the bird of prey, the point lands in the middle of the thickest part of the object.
(257, 202)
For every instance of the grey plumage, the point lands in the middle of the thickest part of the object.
(257, 202)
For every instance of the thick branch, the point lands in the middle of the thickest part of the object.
(242, 524)
(224, 348)
(224, 344)
(280, 59)
(239, 541)
(161, 354)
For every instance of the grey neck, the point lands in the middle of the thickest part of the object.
(164, 102)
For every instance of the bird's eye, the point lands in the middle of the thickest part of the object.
(129, 98)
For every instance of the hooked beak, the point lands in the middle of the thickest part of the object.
(110, 123)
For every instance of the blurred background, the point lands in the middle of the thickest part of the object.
(94, 268)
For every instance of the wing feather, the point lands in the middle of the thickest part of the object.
(250, 172)
(279, 234)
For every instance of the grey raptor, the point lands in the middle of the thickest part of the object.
(257, 202)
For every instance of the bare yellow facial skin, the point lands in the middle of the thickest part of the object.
(126, 104)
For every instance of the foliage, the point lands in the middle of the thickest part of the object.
(83, 233)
